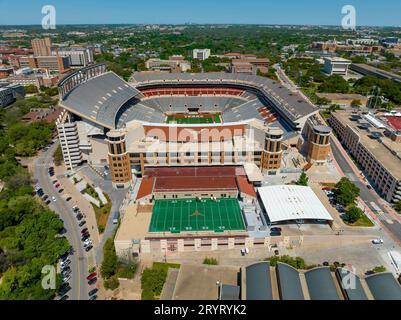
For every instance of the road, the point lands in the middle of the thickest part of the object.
(368, 196)
(116, 197)
(79, 268)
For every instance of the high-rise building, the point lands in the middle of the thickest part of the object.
(201, 54)
(78, 57)
(41, 47)
(69, 141)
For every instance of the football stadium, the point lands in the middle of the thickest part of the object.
(190, 149)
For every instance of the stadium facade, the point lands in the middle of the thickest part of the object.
(177, 120)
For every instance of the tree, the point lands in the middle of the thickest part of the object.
(303, 180)
(353, 214)
(334, 84)
(322, 101)
(31, 88)
(356, 103)
(109, 264)
(346, 192)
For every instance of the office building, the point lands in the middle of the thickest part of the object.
(201, 54)
(336, 66)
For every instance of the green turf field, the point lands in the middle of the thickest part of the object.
(194, 120)
(193, 215)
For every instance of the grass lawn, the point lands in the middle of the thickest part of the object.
(153, 279)
(196, 119)
(363, 221)
(102, 214)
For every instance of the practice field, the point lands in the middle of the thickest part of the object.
(203, 118)
(196, 215)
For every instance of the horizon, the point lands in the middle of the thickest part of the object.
(369, 13)
(200, 24)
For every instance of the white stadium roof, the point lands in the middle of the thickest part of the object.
(289, 202)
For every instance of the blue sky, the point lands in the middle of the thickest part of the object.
(369, 12)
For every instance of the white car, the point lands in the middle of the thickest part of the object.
(88, 242)
(377, 241)
(65, 264)
(54, 199)
(67, 278)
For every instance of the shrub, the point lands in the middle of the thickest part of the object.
(379, 269)
(112, 283)
(210, 261)
(297, 262)
(126, 269)
(353, 214)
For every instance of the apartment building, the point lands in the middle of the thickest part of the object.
(41, 47)
(69, 140)
(373, 146)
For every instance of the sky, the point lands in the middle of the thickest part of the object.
(311, 12)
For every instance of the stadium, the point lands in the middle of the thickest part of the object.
(191, 147)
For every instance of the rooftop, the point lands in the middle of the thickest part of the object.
(380, 150)
(291, 202)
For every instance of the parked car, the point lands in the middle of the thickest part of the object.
(377, 241)
(54, 199)
(93, 292)
(47, 202)
(54, 181)
(68, 199)
(92, 281)
(275, 233)
(79, 217)
(65, 297)
(369, 186)
(91, 275)
(94, 297)
(57, 185)
(88, 248)
(65, 264)
(275, 229)
(66, 279)
(82, 223)
(61, 191)
(45, 197)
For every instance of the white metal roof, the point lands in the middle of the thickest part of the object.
(289, 202)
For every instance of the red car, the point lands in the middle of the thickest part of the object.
(91, 276)
(57, 185)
